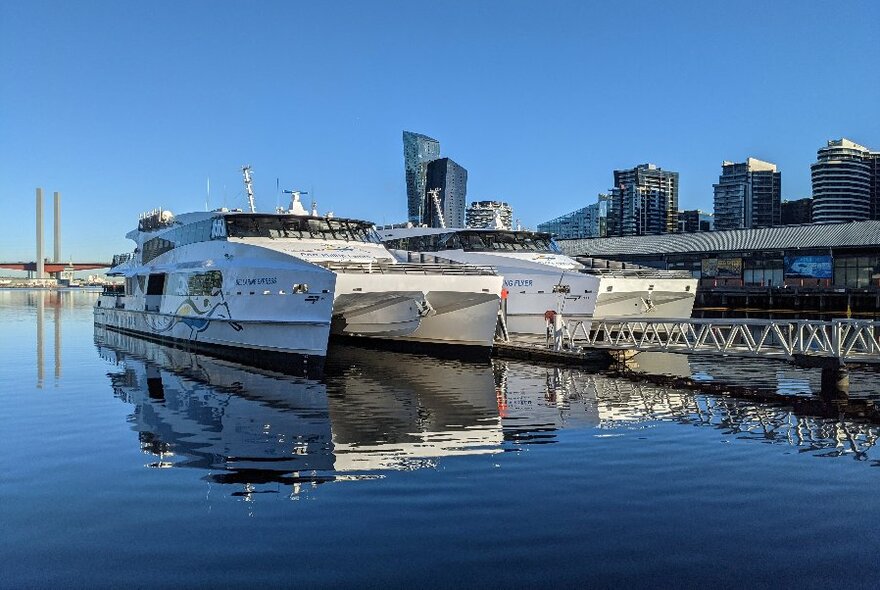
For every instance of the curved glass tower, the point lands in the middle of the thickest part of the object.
(842, 182)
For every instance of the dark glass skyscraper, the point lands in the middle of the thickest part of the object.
(451, 180)
(797, 212)
(418, 150)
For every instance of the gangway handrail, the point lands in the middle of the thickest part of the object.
(846, 340)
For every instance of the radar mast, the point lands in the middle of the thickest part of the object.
(248, 185)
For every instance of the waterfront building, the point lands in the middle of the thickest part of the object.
(748, 195)
(875, 185)
(845, 183)
(418, 150)
(587, 222)
(644, 201)
(449, 179)
(797, 212)
(693, 220)
(821, 256)
(482, 214)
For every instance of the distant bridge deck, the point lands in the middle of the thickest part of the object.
(54, 267)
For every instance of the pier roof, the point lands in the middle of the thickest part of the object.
(853, 234)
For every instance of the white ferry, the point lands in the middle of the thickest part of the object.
(539, 278)
(188, 282)
(281, 282)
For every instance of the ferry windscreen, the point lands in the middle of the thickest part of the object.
(288, 226)
(477, 241)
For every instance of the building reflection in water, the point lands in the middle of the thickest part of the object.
(378, 411)
(56, 300)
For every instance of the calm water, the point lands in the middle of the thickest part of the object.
(128, 463)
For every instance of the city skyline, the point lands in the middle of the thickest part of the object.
(123, 109)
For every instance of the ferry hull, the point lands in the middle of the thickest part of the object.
(649, 297)
(458, 319)
(431, 309)
(592, 297)
(300, 345)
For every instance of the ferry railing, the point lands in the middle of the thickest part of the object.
(426, 268)
(845, 340)
(120, 258)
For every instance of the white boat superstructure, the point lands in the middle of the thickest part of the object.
(187, 283)
(376, 294)
(283, 282)
(538, 277)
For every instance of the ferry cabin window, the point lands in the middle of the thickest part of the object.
(273, 226)
(156, 247)
(196, 284)
(208, 283)
(191, 233)
(506, 242)
(425, 243)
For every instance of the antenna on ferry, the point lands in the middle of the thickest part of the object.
(296, 206)
(499, 224)
(434, 193)
(207, 193)
(314, 208)
(246, 171)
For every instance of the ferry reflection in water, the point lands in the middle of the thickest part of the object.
(377, 411)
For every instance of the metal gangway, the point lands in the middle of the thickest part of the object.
(840, 341)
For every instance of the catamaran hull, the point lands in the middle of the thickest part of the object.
(531, 293)
(432, 309)
(458, 319)
(648, 297)
(583, 297)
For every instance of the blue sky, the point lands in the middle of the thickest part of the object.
(126, 106)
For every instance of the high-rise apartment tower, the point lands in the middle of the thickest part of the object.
(846, 186)
(484, 213)
(748, 195)
(644, 201)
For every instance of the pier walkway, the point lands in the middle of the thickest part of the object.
(808, 342)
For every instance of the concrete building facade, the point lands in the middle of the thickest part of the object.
(482, 214)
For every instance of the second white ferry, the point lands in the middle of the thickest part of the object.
(539, 278)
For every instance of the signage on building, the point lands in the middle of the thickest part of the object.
(725, 268)
(808, 267)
